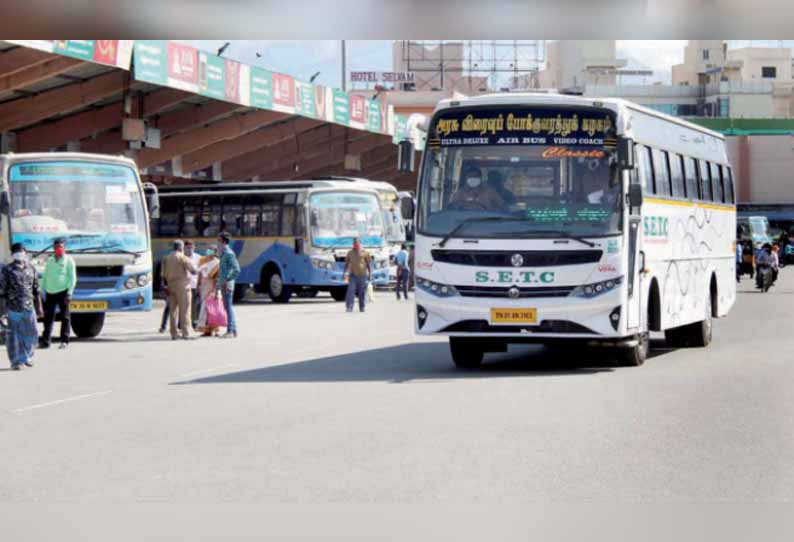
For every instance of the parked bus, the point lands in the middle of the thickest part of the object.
(754, 229)
(290, 237)
(546, 218)
(97, 204)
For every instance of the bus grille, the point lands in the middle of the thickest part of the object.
(94, 283)
(546, 326)
(503, 258)
(100, 271)
(501, 291)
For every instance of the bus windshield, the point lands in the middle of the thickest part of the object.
(338, 217)
(536, 189)
(93, 205)
(392, 216)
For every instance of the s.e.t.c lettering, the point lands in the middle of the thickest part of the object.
(514, 277)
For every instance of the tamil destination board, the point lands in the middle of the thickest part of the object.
(523, 126)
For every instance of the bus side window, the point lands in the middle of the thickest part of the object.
(288, 216)
(300, 222)
(646, 166)
(716, 183)
(690, 173)
(168, 225)
(677, 176)
(730, 193)
(705, 181)
(232, 221)
(252, 215)
(271, 215)
(661, 173)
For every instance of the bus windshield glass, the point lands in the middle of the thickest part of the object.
(536, 189)
(338, 217)
(392, 217)
(94, 206)
(516, 171)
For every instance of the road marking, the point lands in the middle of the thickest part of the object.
(59, 401)
(210, 370)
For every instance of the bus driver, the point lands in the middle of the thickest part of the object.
(473, 195)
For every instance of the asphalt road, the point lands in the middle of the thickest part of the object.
(312, 404)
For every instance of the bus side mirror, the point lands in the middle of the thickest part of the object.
(5, 203)
(405, 156)
(625, 153)
(635, 195)
(152, 199)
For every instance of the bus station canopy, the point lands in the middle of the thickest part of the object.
(185, 115)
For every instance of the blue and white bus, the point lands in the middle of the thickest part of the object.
(289, 237)
(97, 204)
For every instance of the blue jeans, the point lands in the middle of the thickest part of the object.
(356, 287)
(227, 304)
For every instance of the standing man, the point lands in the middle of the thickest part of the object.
(403, 271)
(195, 298)
(359, 263)
(58, 282)
(228, 273)
(19, 299)
(177, 269)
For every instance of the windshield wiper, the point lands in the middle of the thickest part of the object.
(108, 248)
(566, 235)
(68, 238)
(473, 220)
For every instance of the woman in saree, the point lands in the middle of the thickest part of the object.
(209, 266)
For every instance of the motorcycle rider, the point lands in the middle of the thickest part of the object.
(765, 262)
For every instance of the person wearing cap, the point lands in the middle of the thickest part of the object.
(177, 270)
(57, 282)
(20, 301)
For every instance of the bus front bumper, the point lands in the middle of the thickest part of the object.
(556, 318)
(133, 299)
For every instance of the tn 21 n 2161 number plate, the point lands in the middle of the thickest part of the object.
(514, 316)
(88, 306)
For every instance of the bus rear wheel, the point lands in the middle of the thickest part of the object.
(276, 289)
(698, 334)
(466, 353)
(88, 325)
(339, 293)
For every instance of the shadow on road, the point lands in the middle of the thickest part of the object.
(421, 361)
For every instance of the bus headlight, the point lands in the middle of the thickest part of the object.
(597, 288)
(319, 263)
(143, 279)
(130, 283)
(435, 288)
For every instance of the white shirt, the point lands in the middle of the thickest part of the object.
(194, 259)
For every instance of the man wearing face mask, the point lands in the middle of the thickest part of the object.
(19, 300)
(473, 195)
(58, 282)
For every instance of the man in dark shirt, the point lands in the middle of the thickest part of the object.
(20, 301)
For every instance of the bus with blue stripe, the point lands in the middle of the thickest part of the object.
(291, 238)
(98, 205)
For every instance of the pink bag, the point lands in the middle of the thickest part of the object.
(216, 313)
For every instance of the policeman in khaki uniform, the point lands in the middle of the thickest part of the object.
(176, 270)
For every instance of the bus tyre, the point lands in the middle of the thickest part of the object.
(88, 325)
(276, 289)
(466, 354)
(699, 333)
(339, 293)
(239, 292)
(634, 356)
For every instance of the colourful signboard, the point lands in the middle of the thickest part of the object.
(109, 52)
(261, 88)
(341, 107)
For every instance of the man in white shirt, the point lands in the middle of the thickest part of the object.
(195, 301)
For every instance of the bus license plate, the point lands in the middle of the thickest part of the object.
(514, 316)
(88, 306)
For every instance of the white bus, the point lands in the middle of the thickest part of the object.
(546, 218)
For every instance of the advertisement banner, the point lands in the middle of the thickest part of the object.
(400, 128)
(304, 99)
(182, 66)
(373, 116)
(341, 107)
(232, 81)
(150, 59)
(261, 88)
(211, 76)
(116, 53)
(322, 103)
(358, 111)
(283, 93)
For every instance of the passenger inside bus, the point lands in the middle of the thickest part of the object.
(496, 181)
(473, 195)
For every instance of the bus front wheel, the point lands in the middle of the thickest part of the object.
(466, 353)
(276, 289)
(88, 325)
(634, 356)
